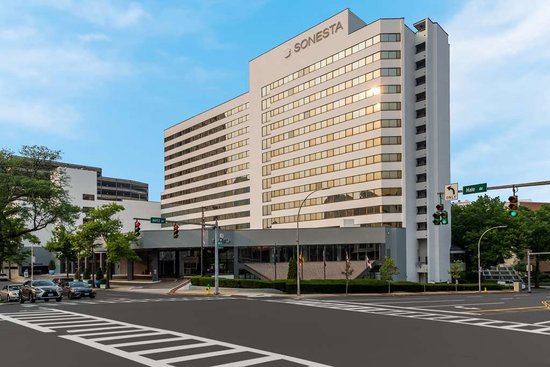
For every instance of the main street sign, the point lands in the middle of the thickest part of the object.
(473, 189)
(158, 220)
(451, 191)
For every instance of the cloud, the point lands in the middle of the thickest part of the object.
(45, 116)
(101, 12)
(93, 37)
(499, 94)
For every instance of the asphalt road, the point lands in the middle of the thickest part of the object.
(132, 329)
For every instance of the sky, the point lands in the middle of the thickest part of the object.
(100, 80)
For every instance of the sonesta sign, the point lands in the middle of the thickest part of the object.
(316, 37)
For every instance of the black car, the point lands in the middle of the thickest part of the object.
(33, 290)
(78, 289)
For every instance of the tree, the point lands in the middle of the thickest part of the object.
(535, 228)
(347, 271)
(32, 196)
(292, 269)
(456, 271)
(470, 221)
(62, 243)
(388, 270)
(102, 226)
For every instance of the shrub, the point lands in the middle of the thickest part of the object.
(103, 281)
(51, 265)
(339, 285)
(86, 274)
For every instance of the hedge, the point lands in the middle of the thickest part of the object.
(339, 285)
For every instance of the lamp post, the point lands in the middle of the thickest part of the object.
(479, 258)
(298, 242)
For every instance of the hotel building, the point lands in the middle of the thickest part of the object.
(346, 124)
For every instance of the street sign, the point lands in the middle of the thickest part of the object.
(451, 191)
(473, 189)
(158, 220)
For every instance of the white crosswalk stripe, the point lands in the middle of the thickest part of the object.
(100, 333)
(123, 300)
(409, 312)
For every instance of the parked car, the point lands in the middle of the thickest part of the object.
(33, 290)
(77, 290)
(3, 277)
(10, 292)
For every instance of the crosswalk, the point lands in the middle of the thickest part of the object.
(464, 318)
(118, 301)
(146, 345)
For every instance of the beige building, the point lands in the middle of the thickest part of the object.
(353, 117)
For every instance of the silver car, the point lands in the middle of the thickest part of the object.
(10, 292)
(33, 290)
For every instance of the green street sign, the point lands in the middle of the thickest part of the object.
(473, 189)
(158, 220)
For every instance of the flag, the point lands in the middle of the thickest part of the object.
(369, 263)
(348, 263)
(301, 258)
(324, 258)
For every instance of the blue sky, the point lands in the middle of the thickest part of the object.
(101, 80)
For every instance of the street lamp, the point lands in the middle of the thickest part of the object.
(479, 258)
(298, 242)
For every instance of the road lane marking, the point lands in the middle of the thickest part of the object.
(170, 349)
(250, 357)
(202, 355)
(533, 328)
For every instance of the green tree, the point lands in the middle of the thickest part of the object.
(292, 269)
(470, 221)
(32, 196)
(535, 229)
(62, 243)
(103, 227)
(456, 271)
(388, 269)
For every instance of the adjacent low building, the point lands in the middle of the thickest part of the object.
(88, 189)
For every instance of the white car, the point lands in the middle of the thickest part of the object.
(10, 292)
(3, 277)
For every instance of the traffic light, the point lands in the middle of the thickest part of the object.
(176, 230)
(137, 228)
(438, 217)
(444, 217)
(513, 204)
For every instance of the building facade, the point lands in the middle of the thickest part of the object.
(344, 125)
(84, 188)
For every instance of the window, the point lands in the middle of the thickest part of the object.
(421, 194)
(421, 96)
(88, 197)
(421, 80)
(421, 178)
(421, 145)
(420, 64)
(421, 129)
(421, 113)
(421, 161)
(421, 226)
(420, 47)
(421, 210)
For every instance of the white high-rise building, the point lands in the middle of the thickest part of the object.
(357, 111)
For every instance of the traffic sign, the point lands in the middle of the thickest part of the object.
(451, 191)
(473, 189)
(158, 220)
